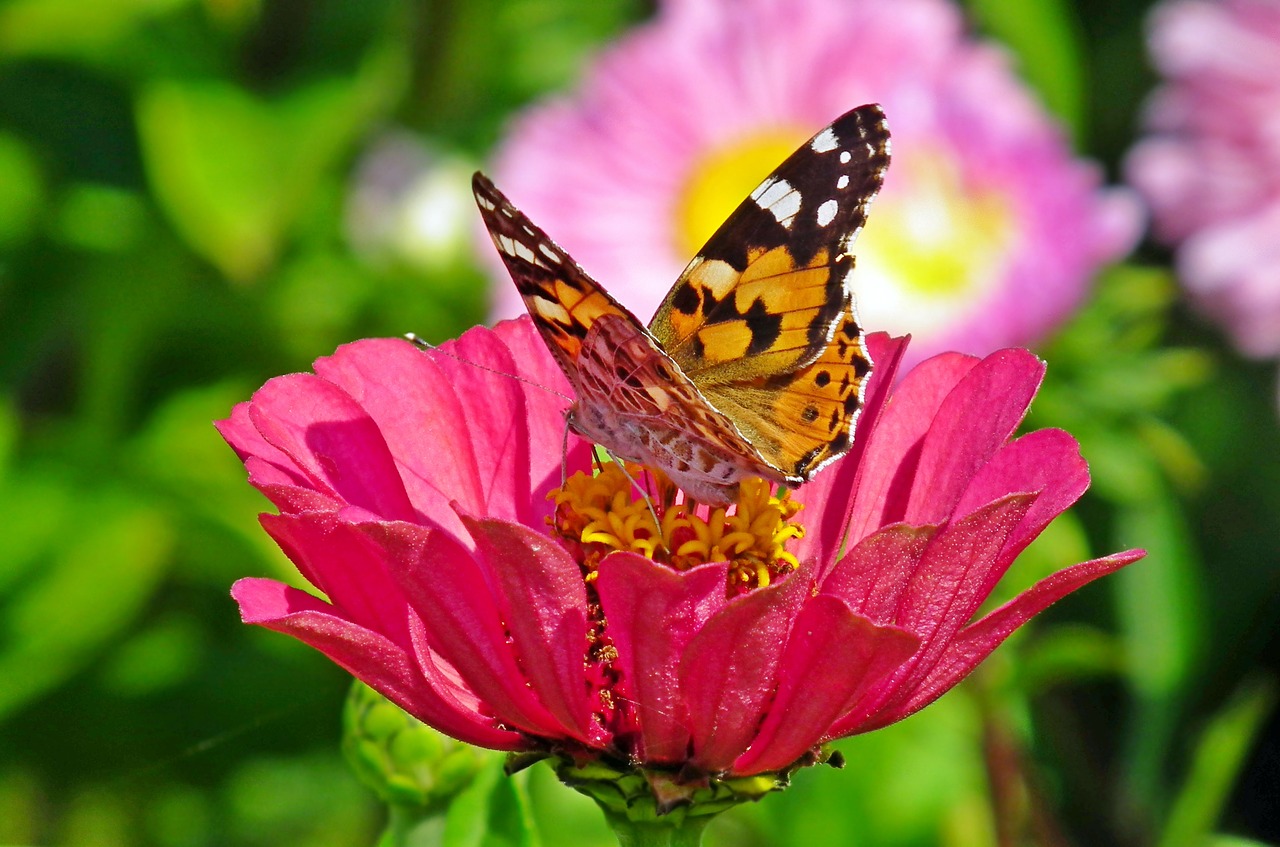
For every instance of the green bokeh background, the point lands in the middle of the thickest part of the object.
(174, 176)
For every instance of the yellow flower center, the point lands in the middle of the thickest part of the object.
(934, 246)
(722, 179)
(602, 513)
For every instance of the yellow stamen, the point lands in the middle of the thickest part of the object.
(603, 513)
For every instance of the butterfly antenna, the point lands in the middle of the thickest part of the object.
(564, 455)
(425, 345)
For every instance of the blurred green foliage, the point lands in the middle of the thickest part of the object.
(176, 186)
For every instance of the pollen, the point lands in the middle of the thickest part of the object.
(596, 515)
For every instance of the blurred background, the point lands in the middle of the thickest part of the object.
(197, 195)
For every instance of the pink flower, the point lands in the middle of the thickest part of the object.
(1211, 165)
(986, 234)
(412, 490)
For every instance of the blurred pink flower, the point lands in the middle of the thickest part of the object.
(412, 490)
(1211, 164)
(987, 232)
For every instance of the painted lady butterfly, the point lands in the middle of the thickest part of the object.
(754, 365)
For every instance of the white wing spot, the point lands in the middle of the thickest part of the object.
(549, 252)
(485, 203)
(843, 182)
(825, 141)
(779, 198)
(827, 212)
(845, 157)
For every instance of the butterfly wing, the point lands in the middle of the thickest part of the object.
(762, 320)
(563, 300)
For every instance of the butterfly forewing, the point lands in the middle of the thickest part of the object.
(561, 297)
(764, 294)
(754, 365)
(812, 411)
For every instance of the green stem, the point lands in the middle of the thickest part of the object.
(408, 827)
(664, 832)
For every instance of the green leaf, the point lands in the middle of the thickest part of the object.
(23, 195)
(93, 579)
(1046, 38)
(74, 28)
(493, 812)
(235, 173)
(1219, 754)
(1161, 608)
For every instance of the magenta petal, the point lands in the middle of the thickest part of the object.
(833, 660)
(948, 585)
(341, 561)
(333, 441)
(1047, 462)
(546, 392)
(426, 425)
(976, 641)
(284, 493)
(543, 602)
(379, 663)
(238, 431)
(975, 420)
(728, 673)
(463, 624)
(892, 451)
(828, 498)
(872, 577)
(653, 614)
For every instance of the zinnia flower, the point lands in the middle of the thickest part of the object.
(1211, 165)
(470, 585)
(986, 234)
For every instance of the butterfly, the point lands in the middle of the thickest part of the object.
(754, 365)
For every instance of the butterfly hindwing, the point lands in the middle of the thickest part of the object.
(764, 294)
(633, 398)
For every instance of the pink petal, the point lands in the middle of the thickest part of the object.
(543, 602)
(833, 660)
(828, 498)
(238, 431)
(339, 559)
(333, 441)
(424, 422)
(653, 613)
(1047, 462)
(366, 655)
(278, 486)
(975, 420)
(447, 589)
(889, 464)
(546, 398)
(872, 577)
(729, 670)
(976, 641)
(946, 588)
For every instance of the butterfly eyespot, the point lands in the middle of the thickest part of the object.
(753, 365)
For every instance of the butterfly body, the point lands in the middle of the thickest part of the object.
(754, 364)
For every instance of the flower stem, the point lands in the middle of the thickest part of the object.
(664, 832)
(408, 827)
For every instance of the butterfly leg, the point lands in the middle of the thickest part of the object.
(653, 512)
